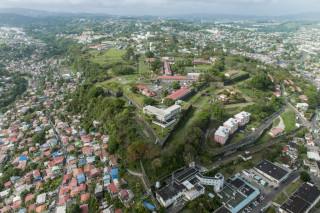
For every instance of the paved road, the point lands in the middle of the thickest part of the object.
(274, 193)
(254, 135)
(63, 165)
(251, 149)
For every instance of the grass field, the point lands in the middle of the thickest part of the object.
(109, 56)
(276, 122)
(289, 120)
(237, 138)
(201, 66)
(280, 198)
(293, 186)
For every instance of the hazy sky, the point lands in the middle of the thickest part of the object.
(171, 7)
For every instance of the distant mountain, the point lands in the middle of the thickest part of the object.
(197, 16)
(303, 16)
(42, 13)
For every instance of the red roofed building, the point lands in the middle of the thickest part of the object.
(166, 70)
(63, 200)
(299, 89)
(276, 131)
(145, 91)
(7, 184)
(84, 208)
(303, 97)
(181, 79)
(66, 178)
(270, 76)
(32, 207)
(5, 209)
(28, 198)
(179, 94)
(201, 61)
(87, 150)
(277, 94)
(85, 197)
(112, 189)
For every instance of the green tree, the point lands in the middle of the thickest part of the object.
(149, 54)
(304, 176)
(149, 101)
(218, 110)
(168, 102)
(175, 85)
(164, 93)
(261, 82)
(74, 208)
(303, 150)
(219, 65)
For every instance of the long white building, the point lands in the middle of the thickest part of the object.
(164, 117)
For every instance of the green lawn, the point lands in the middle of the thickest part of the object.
(238, 137)
(109, 56)
(201, 66)
(289, 120)
(276, 122)
(293, 186)
(280, 198)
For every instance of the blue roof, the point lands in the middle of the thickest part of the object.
(23, 210)
(82, 132)
(14, 178)
(82, 161)
(115, 177)
(23, 158)
(37, 129)
(148, 205)
(38, 153)
(38, 178)
(45, 145)
(54, 140)
(81, 178)
(114, 171)
(55, 154)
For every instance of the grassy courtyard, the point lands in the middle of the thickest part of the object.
(289, 120)
(112, 55)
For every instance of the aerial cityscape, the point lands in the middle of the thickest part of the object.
(136, 111)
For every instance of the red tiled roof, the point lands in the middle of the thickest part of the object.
(85, 197)
(113, 188)
(177, 78)
(178, 93)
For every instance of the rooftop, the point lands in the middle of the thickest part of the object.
(271, 169)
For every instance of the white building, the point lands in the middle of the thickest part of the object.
(221, 135)
(302, 106)
(164, 117)
(243, 118)
(231, 124)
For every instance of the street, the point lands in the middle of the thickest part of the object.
(254, 135)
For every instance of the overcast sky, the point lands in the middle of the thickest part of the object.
(170, 7)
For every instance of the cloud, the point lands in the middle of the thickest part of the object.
(170, 7)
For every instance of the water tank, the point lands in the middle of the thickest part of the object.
(158, 184)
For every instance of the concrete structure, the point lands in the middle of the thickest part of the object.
(221, 135)
(231, 73)
(272, 171)
(187, 185)
(179, 94)
(243, 118)
(180, 79)
(302, 106)
(166, 70)
(231, 124)
(164, 117)
(236, 194)
(303, 200)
